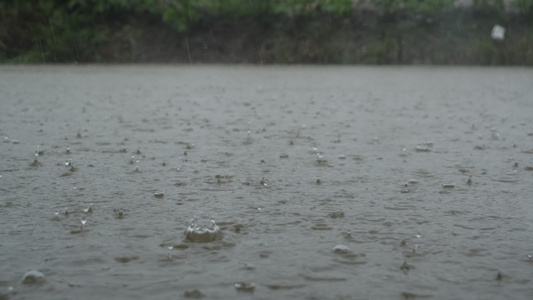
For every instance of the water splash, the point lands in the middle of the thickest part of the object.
(119, 213)
(405, 267)
(422, 148)
(170, 248)
(247, 287)
(320, 160)
(88, 210)
(202, 234)
(341, 249)
(35, 163)
(136, 162)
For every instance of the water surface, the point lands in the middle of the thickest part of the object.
(325, 182)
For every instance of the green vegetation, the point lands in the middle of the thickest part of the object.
(267, 31)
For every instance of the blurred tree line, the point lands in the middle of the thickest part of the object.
(69, 30)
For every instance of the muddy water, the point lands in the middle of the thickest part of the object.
(324, 183)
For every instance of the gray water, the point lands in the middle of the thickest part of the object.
(290, 162)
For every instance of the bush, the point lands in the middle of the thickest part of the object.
(525, 7)
(389, 8)
(35, 31)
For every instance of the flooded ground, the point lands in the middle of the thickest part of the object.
(322, 182)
